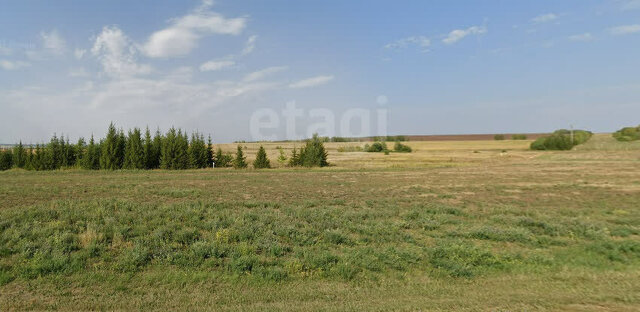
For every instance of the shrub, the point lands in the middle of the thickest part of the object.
(627, 134)
(261, 161)
(401, 148)
(376, 147)
(312, 154)
(561, 140)
(498, 137)
(519, 137)
(347, 149)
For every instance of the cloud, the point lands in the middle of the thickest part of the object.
(216, 65)
(53, 42)
(421, 42)
(78, 72)
(117, 53)
(182, 36)
(625, 30)
(627, 5)
(544, 18)
(79, 53)
(458, 34)
(250, 45)
(581, 37)
(13, 65)
(260, 74)
(311, 82)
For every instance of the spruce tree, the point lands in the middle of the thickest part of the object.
(168, 152)
(314, 154)
(91, 160)
(81, 151)
(134, 154)
(223, 160)
(261, 160)
(240, 162)
(19, 156)
(209, 152)
(6, 159)
(112, 150)
(282, 158)
(198, 151)
(147, 150)
(182, 151)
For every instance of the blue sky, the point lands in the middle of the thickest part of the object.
(443, 66)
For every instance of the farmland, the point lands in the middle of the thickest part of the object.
(454, 225)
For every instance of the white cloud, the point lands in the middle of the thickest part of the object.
(260, 74)
(625, 30)
(250, 45)
(216, 65)
(629, 4)
(458, 34)
(544, 18)
(182, 36)
(311, 82)
(78, 72)
(420, 41)
(13, 65)
(582, 37)
(117, 53)
(53, 42)
(79, 53)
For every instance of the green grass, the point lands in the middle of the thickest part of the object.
(520, 234)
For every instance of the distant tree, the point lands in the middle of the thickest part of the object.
(314, 154)
(240, 161)
(91, 160)
(112, 154)
(168, 153)
(6, 159)
(134, 151)
(261, 161)
(498, 137)
(182, 151)
(147, 150)
(19, 156)
(295, 160)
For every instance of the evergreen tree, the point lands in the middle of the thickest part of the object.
(261, 160)
(147, 150)
(168, 152)
(91, 160)
(209, 152)
(223, 160)
(198, 151)
(52, 154)
(112, 150)
(295, 159)
(314, 154)
(240, 161)
(282, 158)
(81, 150)
(6, 159)
(19, 156)
(182, 151)
(156, 150)
(134, 151)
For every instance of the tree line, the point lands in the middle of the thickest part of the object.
(174, 150)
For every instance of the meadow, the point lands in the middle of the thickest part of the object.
(454, 225)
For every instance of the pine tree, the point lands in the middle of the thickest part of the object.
(209, 152)
(261, 160)
(167, 159)
(6, 159)
(81, 151)
(91, 161)
(240, 161)
(182, 151)
(223, 160)
(282, 158)
(295, 159)
(112, 152)
(134, 154)
(198, 151)
(147, 150)
(19, 156)
(314, 154)
(157, 150)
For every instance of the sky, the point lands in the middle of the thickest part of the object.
(228, 67)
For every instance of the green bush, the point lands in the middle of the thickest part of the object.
(401, 148)
(498, 137)
(627, 134)
(376, 147)
(519, 137)
(312, 154)
(6, 160)
(561, 140)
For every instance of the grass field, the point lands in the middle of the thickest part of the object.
(468, 225)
